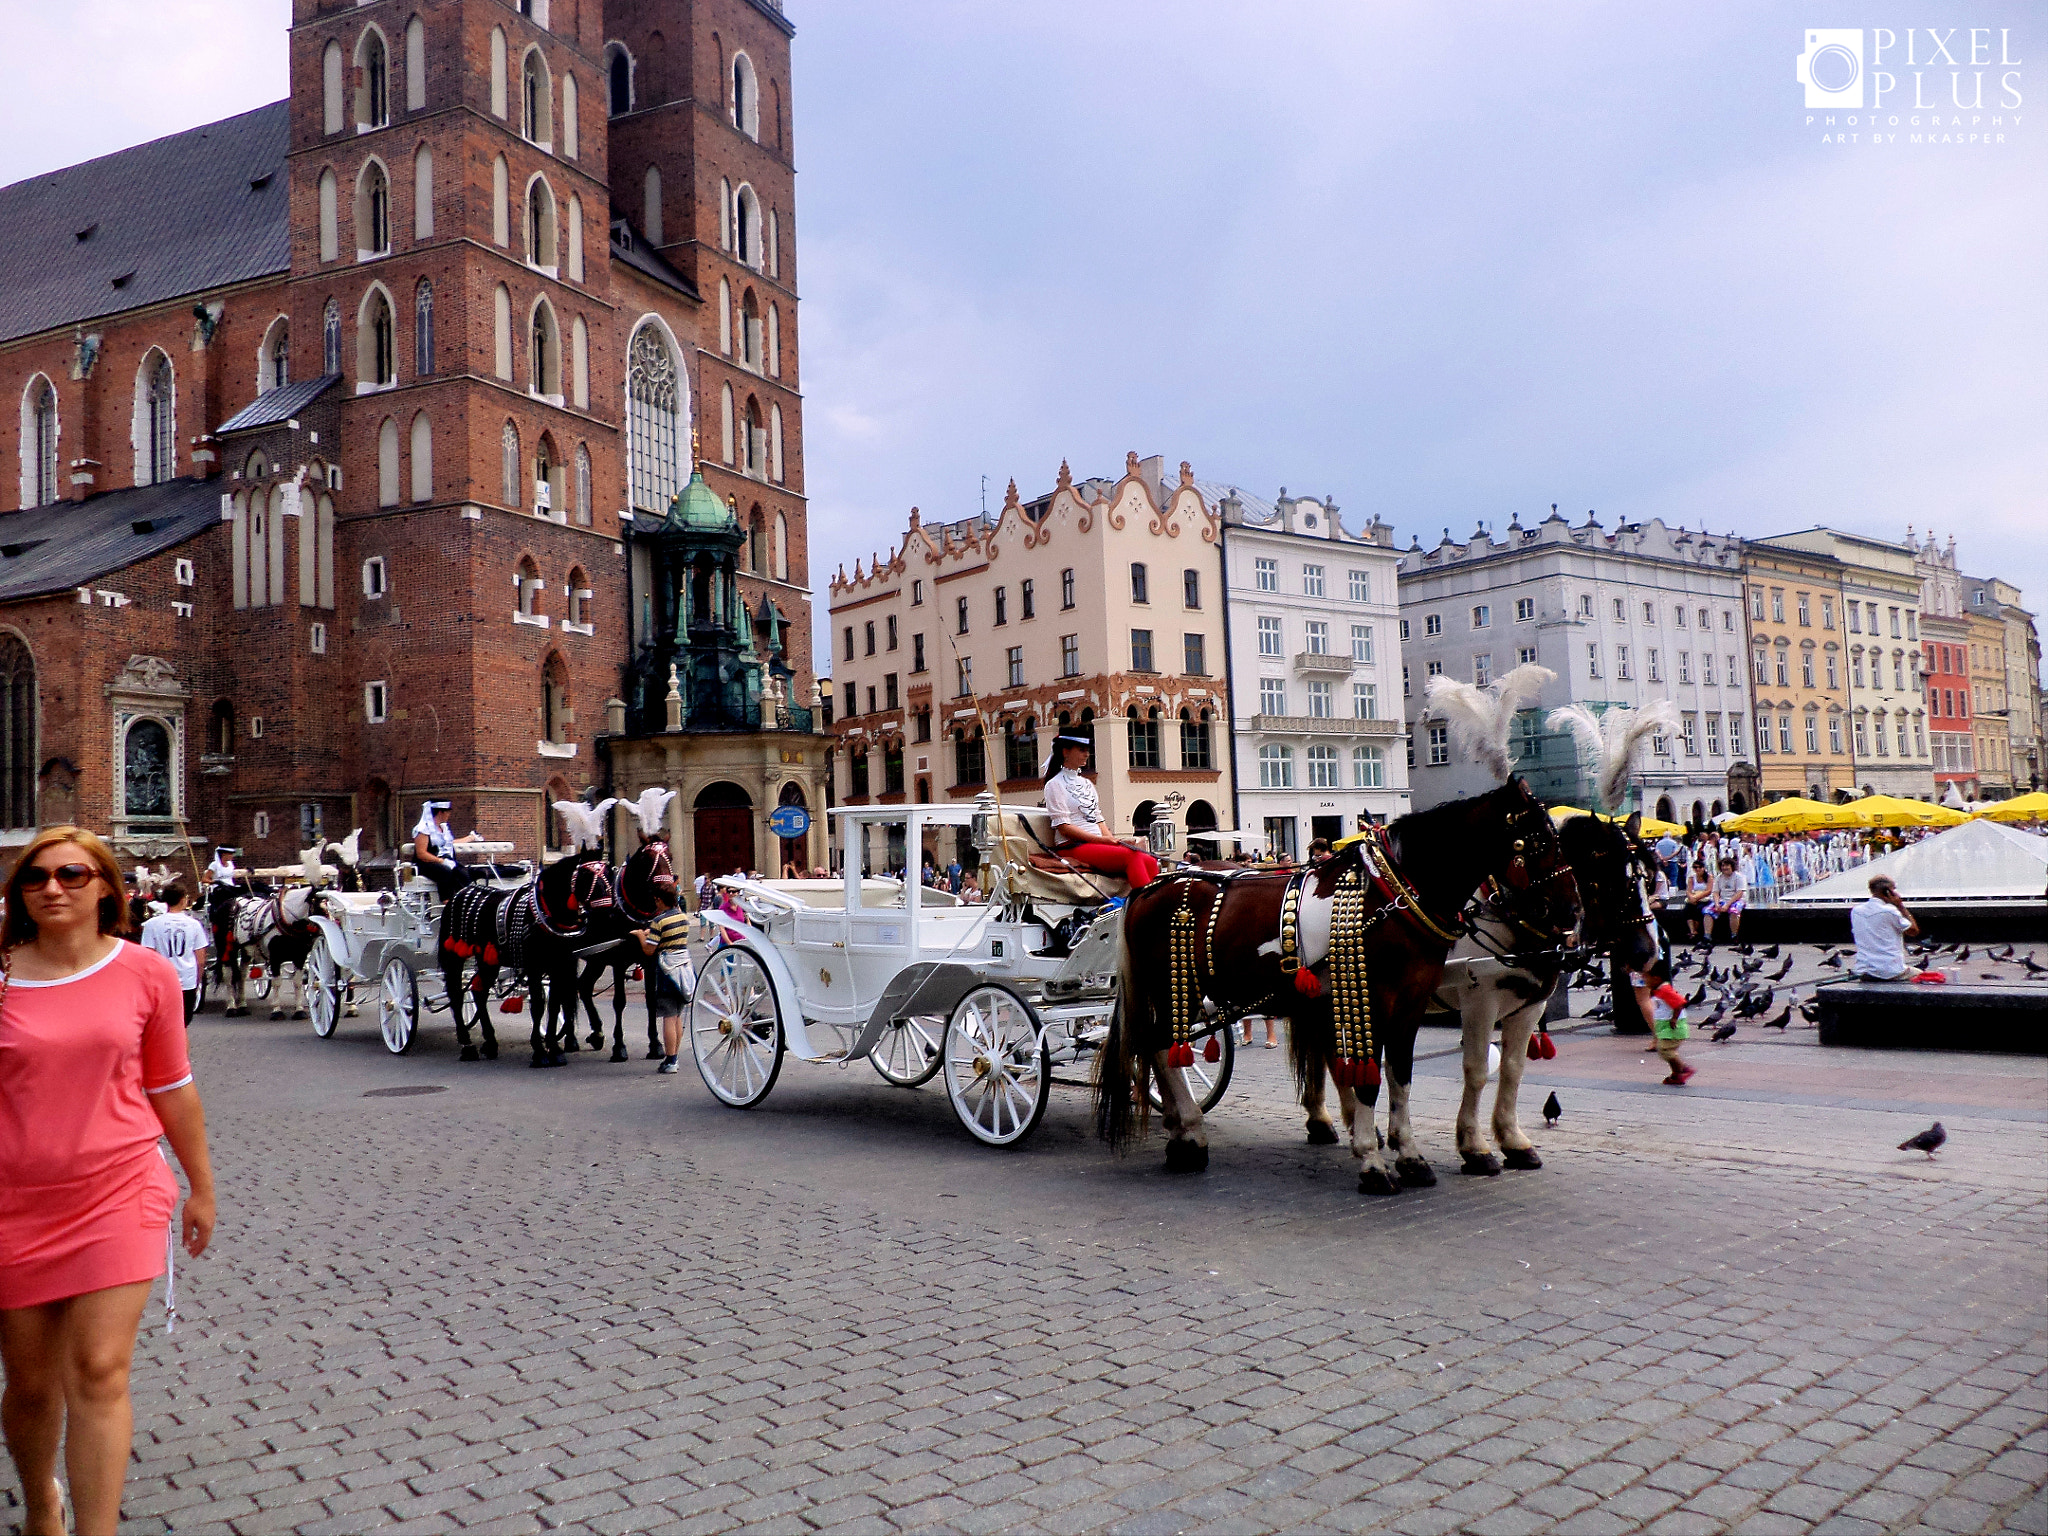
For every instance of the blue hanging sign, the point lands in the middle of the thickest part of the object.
(789, 821)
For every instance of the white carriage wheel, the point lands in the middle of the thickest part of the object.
(910, 1050)
(321, 986)
(1207, 1080)
(256, 984)
(398, 1006)
(997, 1072)
(736, 1029)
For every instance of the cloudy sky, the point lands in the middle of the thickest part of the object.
(1443, 263)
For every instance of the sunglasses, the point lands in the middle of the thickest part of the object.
(73, 877)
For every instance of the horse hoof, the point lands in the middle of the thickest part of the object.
(490, 1050)
(468, 1053)
(597, 1041)
(1415, 1173)
(569, 1045)
(1481, 1163)
(298, 1013)
(1186, 1157)
(618, 1053)
(539, 1061)
(557, 1059)
(1523, 1157)
(1377, 1181)
(654, 1053)
(277, 1013)
(1321, 1134)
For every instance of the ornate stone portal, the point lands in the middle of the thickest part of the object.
(149, 705)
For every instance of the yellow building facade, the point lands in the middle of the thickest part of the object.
(1798, 671)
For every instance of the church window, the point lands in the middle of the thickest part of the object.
(373, 81)
(774, 342)
(497, 71)
(575, 238)
(579, 363)
(650, 221)
(376, 354)
(782, 549)
(746, 227)
(376, 702)
(423, 328)
(376, 581)
(725, 422)
(653, 435)
(159, 422)
(509, 464)
(17, 735)
(415, 65)
(501, 333)
(423, 193)
(773, 243)
(146, 770)
(274, 367)
(753, 440)
(330, 235)
(750, 330)
(725, 317)
(775, 443)
(501, 198)
(619, 73)
(555, 713)
(569, 144)
(39, 443)
(422, 458)
(373, 212)
(331, 107)
(536, 107)
(746, 97)
(540, 223)
(387, 467)
(549, 500)
(582, 486)
(330, 338)
(579, 597)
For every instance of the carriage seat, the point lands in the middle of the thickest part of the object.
(1040, 876)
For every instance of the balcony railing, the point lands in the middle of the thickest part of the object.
(1325, 725)
(1323, 661)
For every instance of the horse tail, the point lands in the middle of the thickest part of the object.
(1307, 1052)
(1122, 1110)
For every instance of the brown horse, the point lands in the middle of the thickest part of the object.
(1260, 942)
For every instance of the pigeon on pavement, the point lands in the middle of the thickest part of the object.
(1725, 1033)
(1927, 1141)
(1698, 997)
(1834, 961)
(1782, 971)
(1771, 953)
(1552, 1109)
(1810, 1010)
(1781, 1020)
(2033, 967)
(1962, 954)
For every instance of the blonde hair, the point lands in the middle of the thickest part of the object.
(20, 928)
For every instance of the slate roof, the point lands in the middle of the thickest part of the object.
(71, 544)
(273, 406)
(630, 247)
(172, 217)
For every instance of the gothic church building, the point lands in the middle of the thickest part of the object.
(343, 424)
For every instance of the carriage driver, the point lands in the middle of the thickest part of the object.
(433, 849)
(1077, 829)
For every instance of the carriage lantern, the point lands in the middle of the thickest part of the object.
(1160, 836)
(983, 830)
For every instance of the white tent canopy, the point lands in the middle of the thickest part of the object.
(1979, 861)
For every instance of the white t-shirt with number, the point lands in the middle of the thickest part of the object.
(178, 937)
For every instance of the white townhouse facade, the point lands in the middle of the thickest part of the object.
(1310, 612)
(1643, 613)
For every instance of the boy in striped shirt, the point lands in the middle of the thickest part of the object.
(667, 941)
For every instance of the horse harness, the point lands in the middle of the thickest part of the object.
(495, 926)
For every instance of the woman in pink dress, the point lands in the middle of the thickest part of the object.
(93, 1070)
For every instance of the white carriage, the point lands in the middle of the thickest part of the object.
(386, 940)
(992, 998)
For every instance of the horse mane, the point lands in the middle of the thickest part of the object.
(1614, 737)
(1480, 718)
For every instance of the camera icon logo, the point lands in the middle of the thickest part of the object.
(1831, 69)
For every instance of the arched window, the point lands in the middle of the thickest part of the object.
(501, 332)
(753, 440)
(1368, 768)
(536, 100)
(575, 238)
(582, 486)
(1196, 750)
(146, 770)
(1144, 736)
(746, 227)
(540, 223)
(423, 193)
(724, 214)
(373, 212)
(782, 546)
(415, 65)
(750, 330)
(757, 541)
(332, 111)
(373, 80)
(579, 364)
(619, 73)
(746, 97)
(274, 360)
(650, 219)
(423, 328)
(501, 201)
(39, 443)
(17, 735)
(555, 716)
(158, 421)
(775, 443)
(330, 233)
(653, 430)
(725, 317)
(549, 495)
(508, 441)
(497, 71)
(330, 338)
(578, 596)
(774, 342)
(544, 352)
(530, 587)
(725, 422)
(376, 354)
(387, 463)
(422, 458)
(569, 144)
(773, 242)
(970, 760)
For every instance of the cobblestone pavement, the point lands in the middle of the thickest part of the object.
(595, 1299)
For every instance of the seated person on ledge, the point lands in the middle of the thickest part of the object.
(1881, 927)
(1078, 834)
(1731, 891)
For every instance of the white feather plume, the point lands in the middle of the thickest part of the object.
(651, 809)
(584, 823)
(1614, 737)
(1480, 718)
(346, 850)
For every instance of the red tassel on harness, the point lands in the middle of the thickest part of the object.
(1213, 1050)
(1180, 1055)
(1306, 983)
(1549, 1046)
(1369, 1073)
(490, 954)
(514, 1003)
(1535, 1047)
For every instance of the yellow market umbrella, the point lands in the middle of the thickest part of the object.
(1795, 813)
(1567, 812)
(1651, 826)
(2028, 807)
(1894, 811)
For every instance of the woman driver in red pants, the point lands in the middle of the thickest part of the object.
(1077, 829)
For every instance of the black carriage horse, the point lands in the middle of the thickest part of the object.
(637, 889)
(533, 930)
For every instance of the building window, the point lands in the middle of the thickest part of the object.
(1756, 604)
(1835, 735)
(1404, 629)
(508, 465)
(1621, 662)
(1684, 665)
(652, 440)
(1827, 613)
(1439, 745)
(1280, 832)
(1272, 696)
(1678, 614)
(1360, 586)
(1140, 589)
(1191, 589)
(1027, 598)
(375, 582)
(857, 771)
(1834, 672)
(1656, 675)
(1269, 636)
(1311, 581)
(1368, 768)
(373, 212)
(1020, 749)
(868, 637)
(40, 446)
(1432, 624)
(1706, 666)
(1276, 766)
(1525, 609)
(848, 633)
(160, 422)
(1002, 606)
(1813, 735)
(1805, 603)
(1195, 750)
(1322, 767)
(1525, 656)
(1404, 682)
(18, 745)
(1482, 670)
(890, 699)
(1689, 734)
(1585, 605)
(1763, 733)
(1015, 657)
(1432, 669)
(917, 652)
(892, 631)
(1320, 700)
(963, 675)
(1620, 611)
(1070, 655)
(1361, 642)
(1365, 701)
(376, 702)
(1714, 735)
(1194, 660)
(1266, 574)
(1482, 615)
(970, 762)
(1067, 588)
(1806, 669)
(1318, 637)
(1144, 737)
(1785, 735)
(1592, 661)
(961, 618)
(373, 94)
